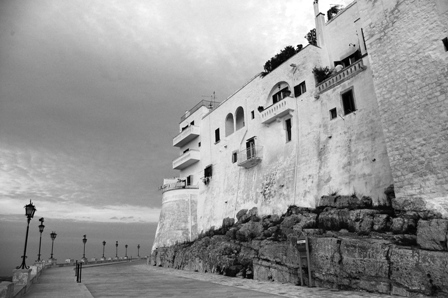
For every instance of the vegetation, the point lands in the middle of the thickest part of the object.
(311, 37)
(334, 11)
(281, 57)
(321, 73)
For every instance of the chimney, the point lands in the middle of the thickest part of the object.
(320, 23)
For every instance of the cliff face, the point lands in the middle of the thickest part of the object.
(352, 246)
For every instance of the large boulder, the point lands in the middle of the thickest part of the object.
(433, 234)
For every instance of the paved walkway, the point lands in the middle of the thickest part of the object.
(136, 279)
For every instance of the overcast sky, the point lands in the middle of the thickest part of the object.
(91, 93)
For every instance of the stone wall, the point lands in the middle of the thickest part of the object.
(353, 245)
(410, 73)
(178, 217)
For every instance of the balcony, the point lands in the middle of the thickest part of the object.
(187, 159)
(250, 157)
(345, 74)
(278, 110)
(186, 136)
(176, 185)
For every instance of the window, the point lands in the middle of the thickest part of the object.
(280, 95)
(234, 156)
(199, 144)
(300, 89)
(229, 124)
(217, 138)
(348, 102)
(186, 150)
(288, 126)
(239, 118)
(252, 114)
(190, 180)
(445, 43)
(350, 59)
(192, 123)
(333, 114)
(208, 171)
(250, 148)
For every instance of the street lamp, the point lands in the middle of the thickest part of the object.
(29, 213)
(126, 254)
(53, 236)
(116, 249)
(84, 240)
(104, 244)
(138, 250)
(41, 229)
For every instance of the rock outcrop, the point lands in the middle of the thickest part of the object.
(353, 245)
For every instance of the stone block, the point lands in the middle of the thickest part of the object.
(433, 234)
(325, 256)
(381, 222)
(6, 289)
(21, 277)
(273, 251)
(269, 271)
(334, 219)
(365, 258)
(249, 230)
(403, 225)
(361, 221)
(342, 202)
(240, 214)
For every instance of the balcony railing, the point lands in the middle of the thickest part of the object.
(177, 185)
(345, 74)
(187, 159)
(278, 110)
(250, 157)
(186, 136)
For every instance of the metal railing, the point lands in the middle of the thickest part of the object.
(207, 103)
(176, 185)
(249, 157)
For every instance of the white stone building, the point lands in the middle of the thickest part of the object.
(285, 139)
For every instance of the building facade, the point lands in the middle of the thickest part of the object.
(285, 138)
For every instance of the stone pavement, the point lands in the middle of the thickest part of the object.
(58, 282)
(136, 279)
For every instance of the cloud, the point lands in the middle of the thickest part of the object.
(76, 211)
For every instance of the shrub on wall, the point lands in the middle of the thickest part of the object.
(281, 57)
(321, 73)
(311, 37)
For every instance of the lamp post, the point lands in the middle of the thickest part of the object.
(41, 229)
(53, 236)
(116, 249)
(126, 254)
(104, 245)
(138, 250)
(29, 213)
(84, 240)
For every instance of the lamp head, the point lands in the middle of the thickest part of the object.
(41, 227)
(53, 235)
(104, 242)
(29, 210)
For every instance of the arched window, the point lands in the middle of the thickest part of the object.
(278, 93)
(239, 115)
(230, 126)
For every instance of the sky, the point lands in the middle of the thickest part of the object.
(91, 94)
